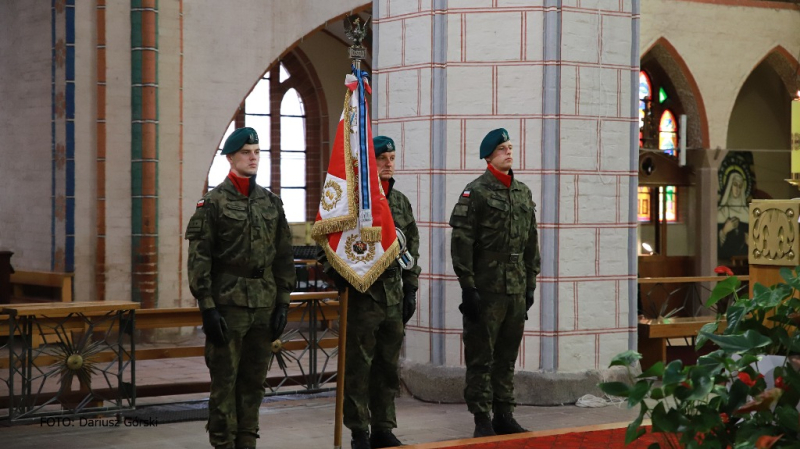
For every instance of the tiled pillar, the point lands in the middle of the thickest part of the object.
(63, 136)
(100, 258)
(559, 76)
(144, 151)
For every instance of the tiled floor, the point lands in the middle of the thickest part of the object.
(302, 425)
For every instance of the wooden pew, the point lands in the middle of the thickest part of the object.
(41, 286)
(653, 335)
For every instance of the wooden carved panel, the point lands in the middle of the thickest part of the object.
(773, 237)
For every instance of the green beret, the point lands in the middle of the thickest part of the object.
(492, 140)
(238, 138)
(382, 145)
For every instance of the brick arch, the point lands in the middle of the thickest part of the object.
(785, 66)
(305, 80)
(677, 71)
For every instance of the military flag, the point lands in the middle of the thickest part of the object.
(354, 224)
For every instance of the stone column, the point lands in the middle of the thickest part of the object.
(561, 79)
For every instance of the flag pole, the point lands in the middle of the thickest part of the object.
(355, 31)
(337, 429)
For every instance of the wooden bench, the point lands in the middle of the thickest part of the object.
(653, 335)
(191, 317)
(41, 286)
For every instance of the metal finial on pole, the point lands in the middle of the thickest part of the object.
(356, 31)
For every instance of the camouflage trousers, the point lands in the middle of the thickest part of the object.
(238, 371)
(371, 381)
(491, 346)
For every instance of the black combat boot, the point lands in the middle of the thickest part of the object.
(483, 426)
(504, 424)
(383, 438)
(360, 440)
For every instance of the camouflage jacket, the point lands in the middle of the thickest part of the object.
(388, 287)
(240, 249)
(495, 243)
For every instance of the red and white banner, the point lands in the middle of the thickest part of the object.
(354, 223)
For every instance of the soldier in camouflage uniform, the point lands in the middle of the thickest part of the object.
(241, 271)
(376, 322)
(495, 253)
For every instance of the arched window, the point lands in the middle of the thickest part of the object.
(658, 129)
(668, 133)
(645, 103)
(293, 156)
(291, 152)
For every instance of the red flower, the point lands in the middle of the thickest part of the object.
(686, 384)
(749, 381)
(767, 441)
(722, 269)
(724, 417)
(781, 384)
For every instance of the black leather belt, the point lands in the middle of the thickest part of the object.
(242, 272)
(500, 257)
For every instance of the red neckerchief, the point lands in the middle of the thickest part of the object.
(242, 184)
(502, 177)
(386, 186)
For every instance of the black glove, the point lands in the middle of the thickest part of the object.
(470, 304)
(409, 302)
(528, 301)
(338, 280)
(279, 320)
(215, 327)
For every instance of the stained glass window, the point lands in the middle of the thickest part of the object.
(645, 97)
(668, 133)
(644, 204)
(662, 95)
(668, 198)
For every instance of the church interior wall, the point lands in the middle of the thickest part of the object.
(26, 205)
(711, 40)
(760, 123)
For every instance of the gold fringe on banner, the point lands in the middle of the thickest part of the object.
(372, 275)
(350, 221)
(371, 234)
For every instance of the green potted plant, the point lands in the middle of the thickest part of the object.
(724, 401)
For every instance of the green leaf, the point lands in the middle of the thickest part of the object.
(740, 343)
(724, 288)
(635, 430)
(654, 446)
(788, 417)
(657, 393)
(657, 370)
(734, 316)
(615, 389)
(702, 384)
(638, 392)
(709, 328)
(661, 423)
(787, 274)
(737, 398)
(627, 358)
(673, 374)
(769, 298)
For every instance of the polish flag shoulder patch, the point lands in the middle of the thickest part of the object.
(201, 203)
(465, 194)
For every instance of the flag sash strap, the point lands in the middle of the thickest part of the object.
(365, 217)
